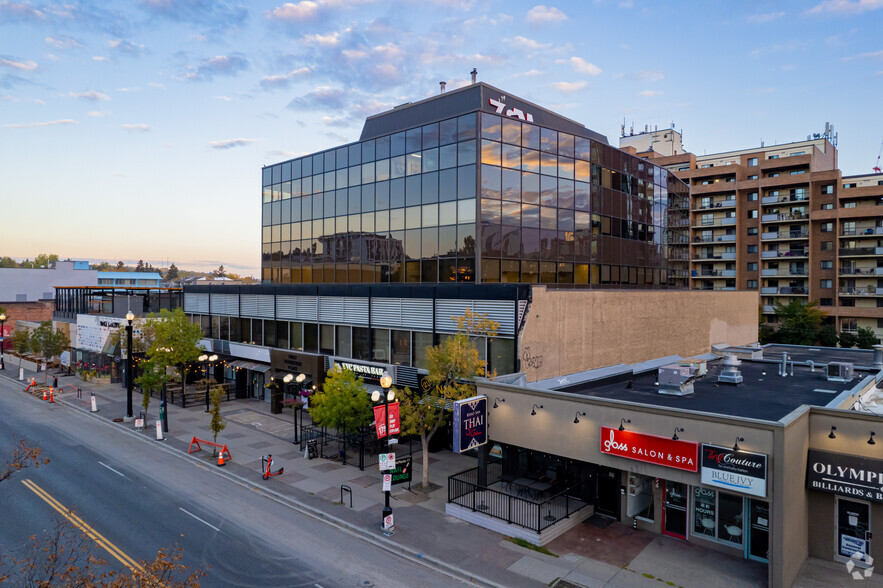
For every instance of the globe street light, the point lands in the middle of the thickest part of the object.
(388, 396)
(129, 380)
(2, 339)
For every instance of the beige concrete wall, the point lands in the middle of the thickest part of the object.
(568, 331)
(789, 501)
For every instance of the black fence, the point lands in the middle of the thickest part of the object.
(359, 448)
(501, 498)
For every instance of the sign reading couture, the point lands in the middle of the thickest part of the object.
(682, 455)
(846, 475)
(734, 470)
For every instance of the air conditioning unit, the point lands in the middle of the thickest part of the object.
(839, 371)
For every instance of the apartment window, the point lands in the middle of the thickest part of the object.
(752, 161)
(830, 206)
(796, 153)
(684, 168)
(826, 283)
(797, 172)
(827, 227)
(827, 264)
(827, 246)
(828, 189)
(826, 302)
(752, 249)
(846, 205)
(752, 213)
(752, 197)
(773, 175)
(847, 186)
(752, 231)
(752, 283)
(773, 157)
(752, 266)
(705, 165)
(752, 177)
(707, 219)
(879, 323)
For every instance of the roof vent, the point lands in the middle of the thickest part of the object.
(730, 373)
(442, 85)
(878, 357)
(839, 371)
(677, 380)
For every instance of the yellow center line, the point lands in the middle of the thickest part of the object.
(112, 549)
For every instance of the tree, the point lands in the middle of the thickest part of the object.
(176, 341)
(121, 267)
(172, 274)
(220, 271)
(848, 339)
(43, 260)
(342, 402)
(828, 336)
(21, 340)
(48, 343)
(23, 456)
(866, 339)
(800, 322)
(101, 267)
(453, 365)
(140, 266)
(7, 261)
(218, 424)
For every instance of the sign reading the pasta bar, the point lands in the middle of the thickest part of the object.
(734, 470)
(681, 455)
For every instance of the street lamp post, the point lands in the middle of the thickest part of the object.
(299, 380)
(129, 380)
(388, 396)
(207, 359)
(2, 339)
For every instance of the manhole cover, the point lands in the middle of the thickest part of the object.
(118, 420)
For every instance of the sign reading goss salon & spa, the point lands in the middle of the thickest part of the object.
(682, 455)
(846, 475)
(734, 470)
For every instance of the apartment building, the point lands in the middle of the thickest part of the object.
(782, 220)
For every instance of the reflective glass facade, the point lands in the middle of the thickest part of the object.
(483, 196)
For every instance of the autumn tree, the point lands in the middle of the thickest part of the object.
(175, 341)
(23, 456)
(218, 424)
(342, 402)
(453, 366)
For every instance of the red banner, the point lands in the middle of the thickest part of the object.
(682, 455)
(380, 421)
(394, 425)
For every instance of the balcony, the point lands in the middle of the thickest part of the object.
(716, 222)
(861, 232)
(859, 251)
(861, 291)
(728, 203)
(859, 271)
(783, 235)
(789, 253)
(784, 273)
(782, 217)
(713, 273)
(787, 291)
(716, 289)
(767, 309)
(783, 199)
(715, 239)
(715, 256)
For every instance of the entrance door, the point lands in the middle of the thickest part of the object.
(853, 529)
(759, 530)
(608, 496)
(674, 509)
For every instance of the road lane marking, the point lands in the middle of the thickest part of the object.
(113, 470)
(199, 519)
(67, 513)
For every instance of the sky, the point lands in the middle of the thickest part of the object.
(137, 130)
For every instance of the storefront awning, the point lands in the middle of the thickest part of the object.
(249, 365)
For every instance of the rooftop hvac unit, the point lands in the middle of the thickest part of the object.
(730, 373)
(839, 372)
(677, 380)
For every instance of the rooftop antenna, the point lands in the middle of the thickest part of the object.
(442, 84)
(474, 73)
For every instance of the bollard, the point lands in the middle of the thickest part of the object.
(51, 396)
(21, 374)
(94, 402)
(159, 436)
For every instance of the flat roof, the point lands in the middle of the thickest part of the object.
(859, 357)
(763, 393)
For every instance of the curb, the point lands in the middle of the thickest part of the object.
(342, 525)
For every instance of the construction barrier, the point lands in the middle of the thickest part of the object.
(223, 448)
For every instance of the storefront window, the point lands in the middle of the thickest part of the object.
(311, 337)
(704, 512)
(401, 347)
(282, 334)
(361, 343)
(380, 345)
(297, 336)
(502, 356)
(326, 339)
(729, 518)
(342, 345)
(421, 342)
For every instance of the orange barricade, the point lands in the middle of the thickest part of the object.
(223, 447)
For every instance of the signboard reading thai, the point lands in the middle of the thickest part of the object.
(846, 475)
(681, 455)
(734, 470)
(470, 423)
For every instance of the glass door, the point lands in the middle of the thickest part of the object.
(853, 530)
(759, 530)
(674, 510)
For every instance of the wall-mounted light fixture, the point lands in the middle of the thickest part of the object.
(533, 411)
(736, 445)
(577, 415)
(622, 423)
(871, 439)
(496, 400)
(831, 435)
(677, 430)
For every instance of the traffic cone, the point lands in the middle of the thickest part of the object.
(221, 458)
(51, 396)
(44, 394)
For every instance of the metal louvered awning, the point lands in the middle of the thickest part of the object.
(249, 365)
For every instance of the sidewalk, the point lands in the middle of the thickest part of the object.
(587, 556)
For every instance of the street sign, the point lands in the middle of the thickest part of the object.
(387, 482)
(402, 472)
(388, 524)
(139, 424)
(387, 461)
(393, 441)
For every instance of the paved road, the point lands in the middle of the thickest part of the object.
(141, 498)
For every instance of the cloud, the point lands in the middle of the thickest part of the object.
(218, 15)
(846, 7)
(231, 143)
(99, 58)
(543, 14)
(20, 11)
(224, 98)
(764, 18)
(99, 113)
(764, 90)
(581, 65)
(320, 98)
(527, 44)
(649, 93)
(128, 89)
(282, 81)
(125, 47)
(141, 127)
(50, 123)
(19, 65)
(329, 40)
(294, 13)
(221, 65)
(63, 42)
(90, 95)
(337, 121)
(568, 87)
(156, 85)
